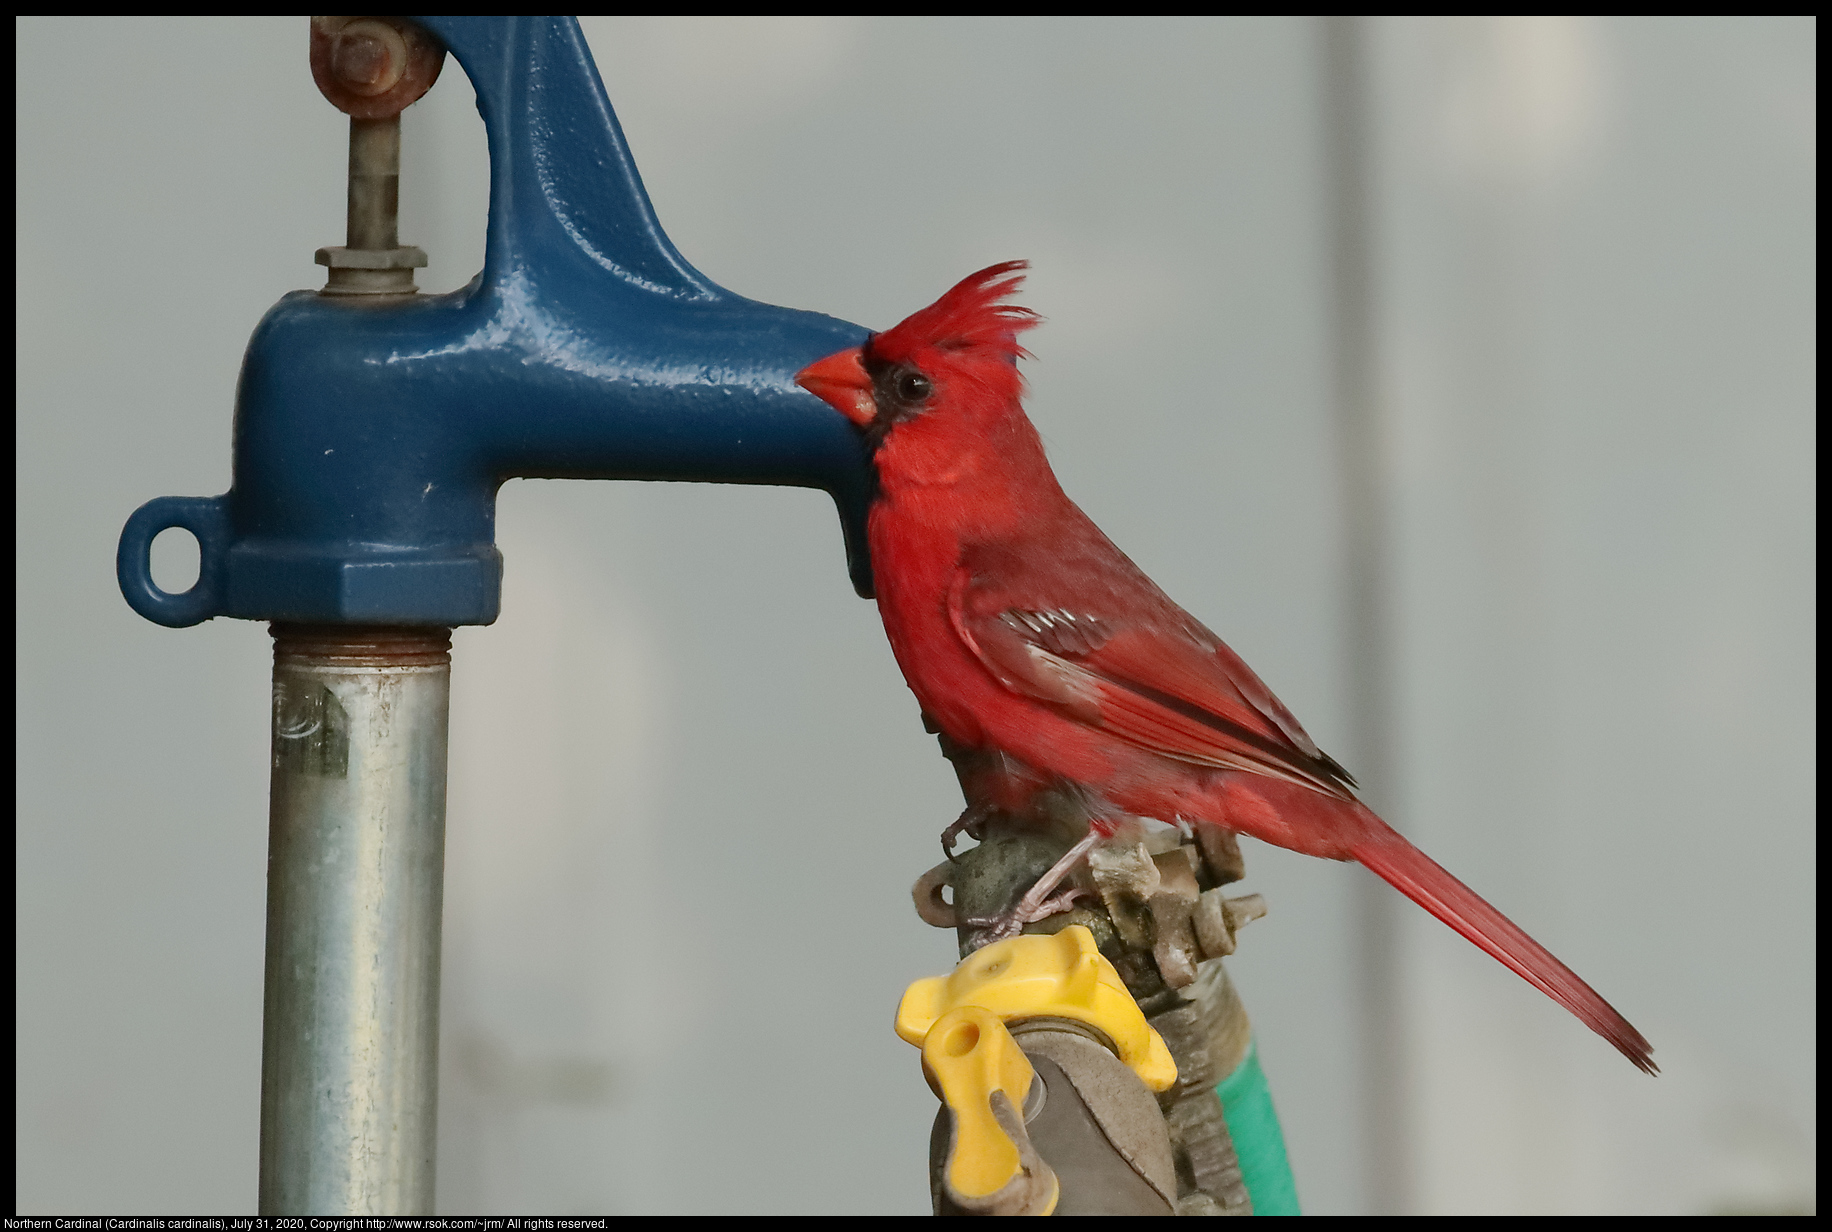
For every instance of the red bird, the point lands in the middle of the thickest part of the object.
(1025, 634)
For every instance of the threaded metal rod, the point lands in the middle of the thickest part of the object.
(355, 888)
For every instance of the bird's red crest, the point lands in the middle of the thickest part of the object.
(969, 317)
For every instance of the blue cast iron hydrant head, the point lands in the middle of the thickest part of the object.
(371, 435)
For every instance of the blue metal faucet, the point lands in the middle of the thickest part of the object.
(371, 437)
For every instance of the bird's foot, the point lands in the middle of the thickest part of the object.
(1039, 902)
(967, 823)
(1010, 923)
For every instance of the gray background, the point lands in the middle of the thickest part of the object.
(689, 790)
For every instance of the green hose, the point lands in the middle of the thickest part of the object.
(1253, 1123)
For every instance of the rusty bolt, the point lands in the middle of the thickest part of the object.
(372, 68)
(368, 57)
(1217, 919)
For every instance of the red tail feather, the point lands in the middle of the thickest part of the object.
(1424, 881)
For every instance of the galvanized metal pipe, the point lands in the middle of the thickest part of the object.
(355, 888)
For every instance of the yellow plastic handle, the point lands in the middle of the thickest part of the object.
(968, 1056)
(1036, 976)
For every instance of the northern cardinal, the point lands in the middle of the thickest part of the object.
(1029, 637)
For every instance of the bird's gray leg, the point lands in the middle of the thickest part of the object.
(1037, 903)
(968, 822)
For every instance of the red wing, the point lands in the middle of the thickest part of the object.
(1178, 692)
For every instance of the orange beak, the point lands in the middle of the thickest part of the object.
(841, 382)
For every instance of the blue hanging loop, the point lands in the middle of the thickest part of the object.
(371, 437)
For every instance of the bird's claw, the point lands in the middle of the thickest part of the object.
(1038, 903)
(1062, 902)
(967, 823)
(989, 929)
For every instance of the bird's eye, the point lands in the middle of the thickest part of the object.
(913, 387)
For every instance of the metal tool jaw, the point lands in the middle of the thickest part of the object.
(372, 432)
